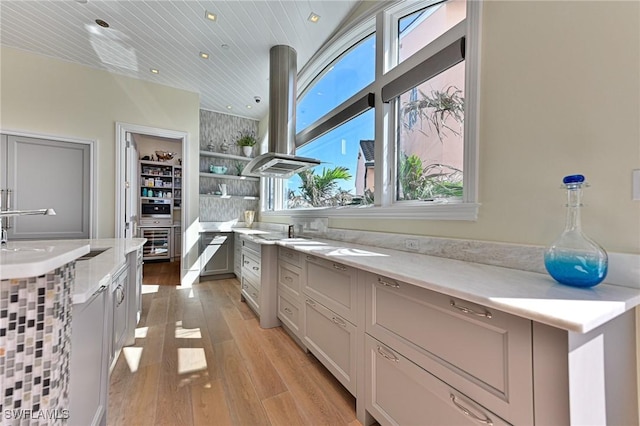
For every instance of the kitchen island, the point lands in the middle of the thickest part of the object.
(42, 291)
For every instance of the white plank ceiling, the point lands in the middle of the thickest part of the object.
(169, 36)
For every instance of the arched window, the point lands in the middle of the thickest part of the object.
(394, 121)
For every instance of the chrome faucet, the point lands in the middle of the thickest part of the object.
(9, 213)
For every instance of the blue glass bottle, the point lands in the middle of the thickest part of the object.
(574, 259)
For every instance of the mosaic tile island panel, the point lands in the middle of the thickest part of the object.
(35, 345)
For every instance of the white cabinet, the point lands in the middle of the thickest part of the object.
(237, 256)
(290, 297)
(259, 280)
(399, 392)
(216, 254)
(90, 356)
(119, 305)
(484, 353)
(134, 294)
(332, 284)
(38, 174)
(330, 316)
(332, 339)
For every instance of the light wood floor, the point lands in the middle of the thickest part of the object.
(201, 358)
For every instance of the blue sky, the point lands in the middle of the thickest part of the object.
(343, 79)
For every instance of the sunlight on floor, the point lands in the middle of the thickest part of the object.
(187, 333)
(149, 288)
(132, 354)
(191, 359)
(141, 332)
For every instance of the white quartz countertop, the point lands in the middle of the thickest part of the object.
(91, 274)
(526, 294)
(20, 259)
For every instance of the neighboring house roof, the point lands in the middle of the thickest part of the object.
(367, 147)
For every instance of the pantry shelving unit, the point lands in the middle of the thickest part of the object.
(161, 183)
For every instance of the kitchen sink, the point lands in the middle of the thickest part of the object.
(92, 253)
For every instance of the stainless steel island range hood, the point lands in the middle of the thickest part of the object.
(281, 161)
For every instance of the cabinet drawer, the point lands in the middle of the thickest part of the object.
(289, 277)
(332, 340)
(332, 284)
(250, 245)
(289, 313)
(251, 292)
(398, 392)
(482, 352)
(291, 256)
(250, 263)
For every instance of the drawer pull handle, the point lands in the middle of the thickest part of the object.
(311, 302)
(288, 278)
(388, 283)
(288, 311)
(466, 310)
(255, 268)
(487, 420)
(339, 267)
(387, 355)
(289, 255)
(309, 257)
(255, 296)
(246, 262)
(340, 322)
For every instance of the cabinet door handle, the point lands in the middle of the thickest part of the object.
(339, 267)
(244, 286)
(387, 354)
(388, 283)
(255, 296)
(288, 311)
(288, 278)
(255, 268)
(309, 257)
(464, 309)
(487, 420)
(339, 321)
(9, 223)
(311, 303)
(246, 262)
(289, 255)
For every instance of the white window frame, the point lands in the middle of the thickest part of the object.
(385, 115)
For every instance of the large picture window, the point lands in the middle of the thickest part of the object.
(414, 154)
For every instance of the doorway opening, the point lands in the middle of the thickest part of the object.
(151, 192)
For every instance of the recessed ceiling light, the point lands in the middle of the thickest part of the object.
(210, 16)
(228, 106)
(313, 17)
(204, 55)
(102, 23)
(154, 71)
(248, 106)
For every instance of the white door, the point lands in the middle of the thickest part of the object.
(45, 174)
(131, 188)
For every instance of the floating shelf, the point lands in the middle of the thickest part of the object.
(232, 177)
(226, 197)
(222, 155)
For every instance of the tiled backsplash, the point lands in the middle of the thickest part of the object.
(35, 341)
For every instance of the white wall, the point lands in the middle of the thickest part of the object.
(47, 96)
(560, 94)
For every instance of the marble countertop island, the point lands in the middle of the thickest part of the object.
(20, 259)
(527, 294)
